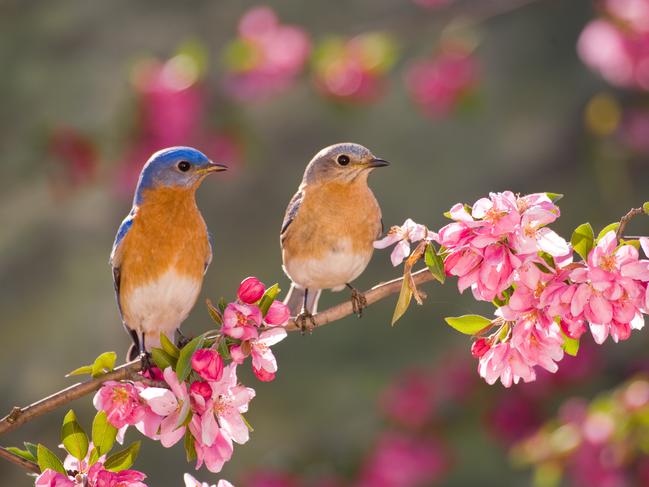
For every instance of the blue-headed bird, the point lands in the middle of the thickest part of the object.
(162, 248)
(329, 227)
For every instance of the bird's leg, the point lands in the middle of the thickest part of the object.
(305, 320)
(145, 357)
(359, 303)
(181, 340)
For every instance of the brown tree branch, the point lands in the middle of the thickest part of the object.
(633, 212)
(21, 462)
(19, 416)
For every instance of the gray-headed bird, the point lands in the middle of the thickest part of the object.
(329, 227)
(162, 248)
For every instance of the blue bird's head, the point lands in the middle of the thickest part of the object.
(175, 167)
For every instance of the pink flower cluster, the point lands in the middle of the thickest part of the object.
(616, 44)
(81, 473)
(440, 84)
(354, 70)
(267, 56)
(209, 406)
(503, 250)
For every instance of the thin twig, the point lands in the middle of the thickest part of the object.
(633, 212)
(19, 416)
(21, 462)
(373, 295)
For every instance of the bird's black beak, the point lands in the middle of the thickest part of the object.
(214, 167)
(375, 162)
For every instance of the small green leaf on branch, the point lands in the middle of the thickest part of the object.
(583, 240)
(405, 296)
(103, 433)
(123, 459)
(468, 324)
(162, 359)
(24, 454)
(554, 196)
(268, 298)
(435, 263)
(645, 208)
(214, 313)
(104, 363)
(46, 459)
(73, 437)
(571, 346)
(184, 365)
(608, 228)
(169, 347)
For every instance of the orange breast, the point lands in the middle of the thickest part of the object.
(330, 212)
(167, 232)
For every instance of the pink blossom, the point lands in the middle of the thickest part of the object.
(207, 363)
(241, 321)
(263, 360)
(480, 347)
(192, 482)
(410, 399)
(278, 314)
(123, 478)
(173, 405)
(612, 290)
(439, 84)
(504, 362)
(224, 410)
(403, 236)
(52, 478)
(121, 401)
(217, 452)
(250, 290)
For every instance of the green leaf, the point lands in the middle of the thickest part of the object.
(224, 350)
(190, 448)
(25, 454)
(31, 448)
(570, 345)
(403, 302)
(645, 208)
(103, 433)
(222, 304)
(86, 369)
(104, 363)
(248, 425)
(468, 324)
(46, 459)
(268, 298)
(554, 196)
(435, 263)
(162, 359)
(184, 365)
(612, 226)
(582, 240)
(94, 456)
(123, 459)
(215, 314)
(73, 437)
(169, 347)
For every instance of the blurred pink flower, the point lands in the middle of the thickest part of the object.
(354, 70)
(192, 482)
(410, 399)
(400, 460)
(267, 56)
(513, 416)
(634, 130)
(76, 156)
(440, 84)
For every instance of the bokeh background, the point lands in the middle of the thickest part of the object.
(463, 97)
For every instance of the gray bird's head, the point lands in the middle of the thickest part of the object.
(343, 163)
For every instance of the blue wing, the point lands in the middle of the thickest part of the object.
(291, 212)
(114, 255)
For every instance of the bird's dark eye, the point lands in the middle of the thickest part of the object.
(184, 166)
(343, 160)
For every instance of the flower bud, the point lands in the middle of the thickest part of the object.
(480, 347)
(250, 290)
(201, 388)
(278, 314)
(208, 364)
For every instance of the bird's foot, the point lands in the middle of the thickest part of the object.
(147, 362)
(359, 303)
(181, 340)
(305, 322)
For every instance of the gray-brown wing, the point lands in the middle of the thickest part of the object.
(291, 212)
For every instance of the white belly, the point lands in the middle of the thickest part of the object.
(331, 271)
(162, 305)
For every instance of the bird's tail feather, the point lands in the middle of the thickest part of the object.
(295, 299)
